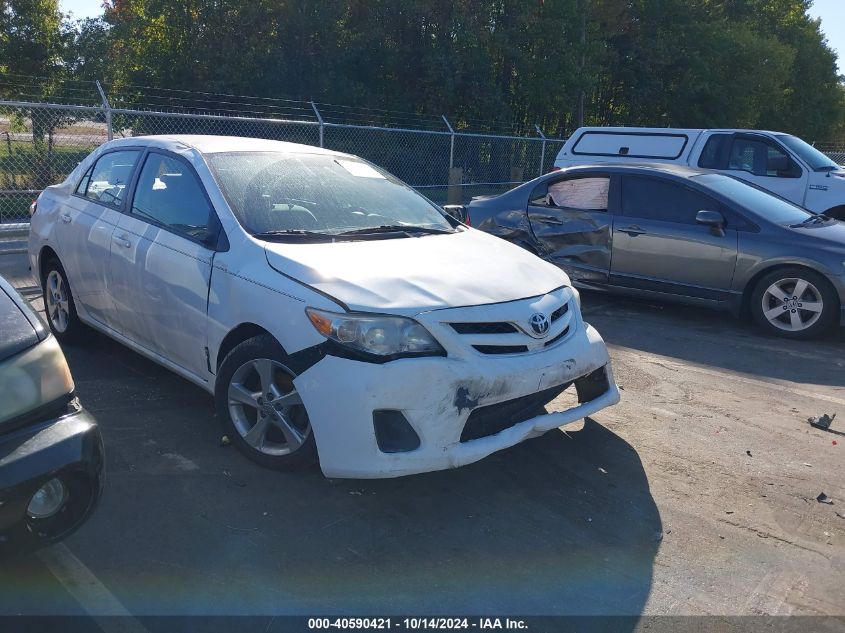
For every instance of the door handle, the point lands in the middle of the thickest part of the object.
(65, 218)
(121, 240)
(632, 230)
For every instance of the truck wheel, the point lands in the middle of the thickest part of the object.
(794, 303)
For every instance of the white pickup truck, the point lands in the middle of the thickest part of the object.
(779, 162)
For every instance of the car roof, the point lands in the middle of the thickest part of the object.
(674, 169)
(209, 144)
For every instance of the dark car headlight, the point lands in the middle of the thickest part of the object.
(33, 378)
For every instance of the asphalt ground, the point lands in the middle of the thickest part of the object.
(696, 495)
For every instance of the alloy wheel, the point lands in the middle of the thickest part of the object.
(792, 304)
(56, 299)
(265, 408)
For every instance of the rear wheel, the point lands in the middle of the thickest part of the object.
(794, 303)
(58, 303)
(260, 409)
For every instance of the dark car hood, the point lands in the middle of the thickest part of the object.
(20, 328)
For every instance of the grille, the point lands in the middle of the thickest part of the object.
(483, 328)
(558, 337)
(501, 349)
(494, 418)
(559, 312)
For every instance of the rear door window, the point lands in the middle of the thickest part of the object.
(579, 194)
(713, 156)
(110, 176)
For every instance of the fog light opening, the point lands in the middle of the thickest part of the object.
(48, 500)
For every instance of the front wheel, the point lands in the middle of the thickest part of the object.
(260, 410)
(794, 303)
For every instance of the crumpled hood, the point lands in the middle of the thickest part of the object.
(411, 275)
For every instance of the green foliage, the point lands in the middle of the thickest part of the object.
(754, 63)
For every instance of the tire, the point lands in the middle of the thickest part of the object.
(837, 213)
(58, 304)
(780, 301)
(273, 432)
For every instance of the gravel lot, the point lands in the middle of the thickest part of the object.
(695, 495)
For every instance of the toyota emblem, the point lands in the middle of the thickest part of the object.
(539, 324)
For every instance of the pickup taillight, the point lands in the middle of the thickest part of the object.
(33, 207)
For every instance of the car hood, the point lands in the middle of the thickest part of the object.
(414, 274)
(832, 233)
(19, 326)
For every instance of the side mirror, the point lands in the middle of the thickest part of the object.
(713, 219)
(457, 211)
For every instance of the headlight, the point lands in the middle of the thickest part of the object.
(375, 334)
(33, 378)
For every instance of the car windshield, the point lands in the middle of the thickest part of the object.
(813, 157)
(280, 192)
(756, 200)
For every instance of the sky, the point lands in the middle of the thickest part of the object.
(831, 12)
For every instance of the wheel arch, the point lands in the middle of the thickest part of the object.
(44, 255)
(236, 336)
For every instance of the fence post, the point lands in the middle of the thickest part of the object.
(107, 109)
(319, 120)
(451, 141)
(543, 149)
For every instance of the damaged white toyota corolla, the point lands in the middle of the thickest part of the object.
(331, 309)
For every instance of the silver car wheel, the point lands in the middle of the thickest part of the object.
(56, 299)
(265, 408)
(792, 304)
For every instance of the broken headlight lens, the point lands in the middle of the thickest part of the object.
(375, 334)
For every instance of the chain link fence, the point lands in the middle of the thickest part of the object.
(43, 142)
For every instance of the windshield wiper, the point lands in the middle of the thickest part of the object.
(294, 233)
(396, 228)
(813, 219)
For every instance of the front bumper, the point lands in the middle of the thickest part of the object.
(437, 396)
(69, 448)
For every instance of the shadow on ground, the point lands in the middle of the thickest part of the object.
(716, 339)
(562, 524)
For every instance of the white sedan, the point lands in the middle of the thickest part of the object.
(330, 309)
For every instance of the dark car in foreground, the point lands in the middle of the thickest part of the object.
(682, 234)
(51, 451)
